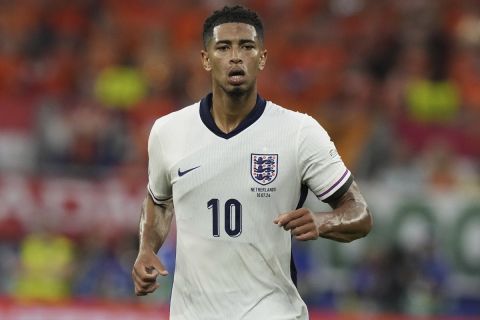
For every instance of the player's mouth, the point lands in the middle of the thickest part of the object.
(236, 76)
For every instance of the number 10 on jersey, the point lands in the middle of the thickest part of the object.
(232, 217)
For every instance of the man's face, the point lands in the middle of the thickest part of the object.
(234, 56)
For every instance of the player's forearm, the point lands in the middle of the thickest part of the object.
(349, 220)
(154, 224)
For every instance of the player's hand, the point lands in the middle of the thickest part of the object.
(302, 223)
(145, 271)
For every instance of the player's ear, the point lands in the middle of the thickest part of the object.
(263, 59)
(206, 61)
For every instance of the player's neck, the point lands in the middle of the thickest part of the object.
(228, 111)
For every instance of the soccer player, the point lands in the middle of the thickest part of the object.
(235, 169)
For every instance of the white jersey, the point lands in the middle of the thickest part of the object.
(232, 261)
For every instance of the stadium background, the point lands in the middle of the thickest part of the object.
(396, 83)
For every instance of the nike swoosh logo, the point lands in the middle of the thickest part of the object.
(182, 173)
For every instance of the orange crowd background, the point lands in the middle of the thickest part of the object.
(83, 80)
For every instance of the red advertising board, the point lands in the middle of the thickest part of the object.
(68, 205)
(104, 310)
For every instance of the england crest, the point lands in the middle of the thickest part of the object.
(263, 167)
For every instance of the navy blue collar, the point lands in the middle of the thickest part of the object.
(207, 119)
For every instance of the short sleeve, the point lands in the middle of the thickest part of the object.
(159, 185)
(321, 167)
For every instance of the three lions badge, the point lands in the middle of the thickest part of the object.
(264, 167)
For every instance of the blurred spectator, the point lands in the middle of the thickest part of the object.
(347, 116)
(104, 266)
(403, 281)
(446, 171)
(120, 87)
(8, 264)
(46, 267)
(427, 292)
(83, 139)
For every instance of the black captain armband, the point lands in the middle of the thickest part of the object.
(340, 192)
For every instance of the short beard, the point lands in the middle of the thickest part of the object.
(238, 92)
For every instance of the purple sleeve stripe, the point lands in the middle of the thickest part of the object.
(334, 185)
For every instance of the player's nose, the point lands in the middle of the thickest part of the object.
(235, 57)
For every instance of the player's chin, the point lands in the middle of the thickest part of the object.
(238, 90)
(235, 92)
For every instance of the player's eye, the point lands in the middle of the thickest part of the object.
(222, 48)
(249, 47)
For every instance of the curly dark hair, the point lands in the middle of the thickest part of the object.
(231, 14)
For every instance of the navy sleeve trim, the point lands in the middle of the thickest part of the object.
(156, 199)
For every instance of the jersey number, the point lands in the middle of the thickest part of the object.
(233, 217)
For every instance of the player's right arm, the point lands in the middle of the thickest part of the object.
(155, 222)
(156, 217)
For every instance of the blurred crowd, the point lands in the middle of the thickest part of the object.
(396, 83)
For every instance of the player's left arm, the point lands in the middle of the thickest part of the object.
(350, 219)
